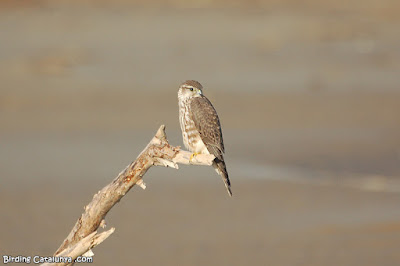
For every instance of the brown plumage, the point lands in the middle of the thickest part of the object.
(201, 128)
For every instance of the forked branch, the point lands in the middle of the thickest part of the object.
(157, 152)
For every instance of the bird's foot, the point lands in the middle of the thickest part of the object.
(192, 156)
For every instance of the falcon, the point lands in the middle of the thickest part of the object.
(201, 129)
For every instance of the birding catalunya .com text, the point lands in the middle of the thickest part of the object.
(42, 259)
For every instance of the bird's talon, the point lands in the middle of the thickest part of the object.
(192, 157)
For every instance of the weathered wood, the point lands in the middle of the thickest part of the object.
(157, 152)
(83, 246)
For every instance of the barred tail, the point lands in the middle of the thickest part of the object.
(220, 168)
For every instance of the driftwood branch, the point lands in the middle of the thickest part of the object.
(84, 247)
(157, 152)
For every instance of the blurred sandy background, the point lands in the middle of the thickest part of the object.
(308, 94)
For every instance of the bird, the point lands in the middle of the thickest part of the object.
(201, 128)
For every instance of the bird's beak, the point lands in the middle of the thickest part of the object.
(200, 92)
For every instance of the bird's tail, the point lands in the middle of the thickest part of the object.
(220, 168)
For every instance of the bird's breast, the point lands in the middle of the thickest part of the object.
(190, 134)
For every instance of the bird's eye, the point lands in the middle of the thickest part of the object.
(191, 89)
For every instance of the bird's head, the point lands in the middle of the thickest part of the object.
(190, 89)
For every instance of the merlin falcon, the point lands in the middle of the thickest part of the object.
(201, 129)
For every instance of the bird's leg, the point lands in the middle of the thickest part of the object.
(192, 156)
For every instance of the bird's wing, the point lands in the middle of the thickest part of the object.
(207, 123)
